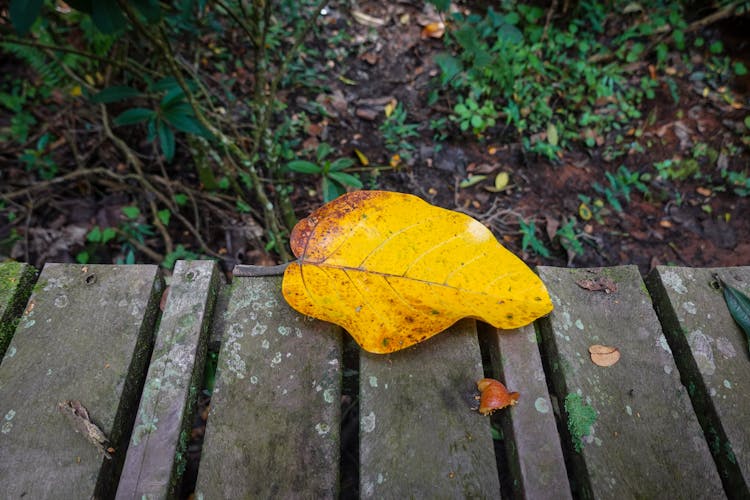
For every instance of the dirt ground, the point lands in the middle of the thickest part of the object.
(687, 223)
(693, 221)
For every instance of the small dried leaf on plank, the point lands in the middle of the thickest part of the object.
(602, 355)
(598, 284)
(79, 418)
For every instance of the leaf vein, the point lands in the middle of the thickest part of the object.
(392, 236)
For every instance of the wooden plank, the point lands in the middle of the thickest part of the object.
(86, 335)
(712, 355)
(631, 430)
(273, 429)
(420, 433)
(532, 441)
(15, 287)
(156, 456)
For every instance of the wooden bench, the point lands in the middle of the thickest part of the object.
(671, 419)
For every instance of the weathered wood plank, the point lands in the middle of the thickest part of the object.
(532, 441)
(712, 355)
(632, 423)
(156, 456)
(15, 287)
(420, 434)
(86, 335)
(273, 430)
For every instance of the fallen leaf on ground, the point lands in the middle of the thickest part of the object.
(598, 284)
(471, 180)
(584, 212)
(361, 157)
(501, 182)
(390, 107)
(602, 355)
(434, 30)
(394, 270)
(370, 58)
(495, 396)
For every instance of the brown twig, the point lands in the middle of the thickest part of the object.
(138, 167)
(548, 20)
(152, 254)
(161, 43)
(121, 179)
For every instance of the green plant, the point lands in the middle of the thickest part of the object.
(39, 160)
(396, 132)
(547, 77)
(738, 181)
(621, 184)
(334, 180)
(237, 145)
(569, 237)
(171, 113)
(589, 208)
(530, 240)
(179, 253)
(439, 130)
(677, 169)
(469, 114)
(15, 99)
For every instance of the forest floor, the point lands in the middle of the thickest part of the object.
(689, 220)
(660, 199)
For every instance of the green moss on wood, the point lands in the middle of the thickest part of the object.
(16, 281)
(580, 419)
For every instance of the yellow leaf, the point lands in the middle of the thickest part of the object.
(361, 156)
(552, 136)
(584, 212)
(501, 182)
(76, 91)
(394, 270)
(390, 107)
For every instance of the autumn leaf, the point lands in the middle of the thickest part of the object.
(394, 270)
(494, 396)
(433, 30)
(602, 355)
